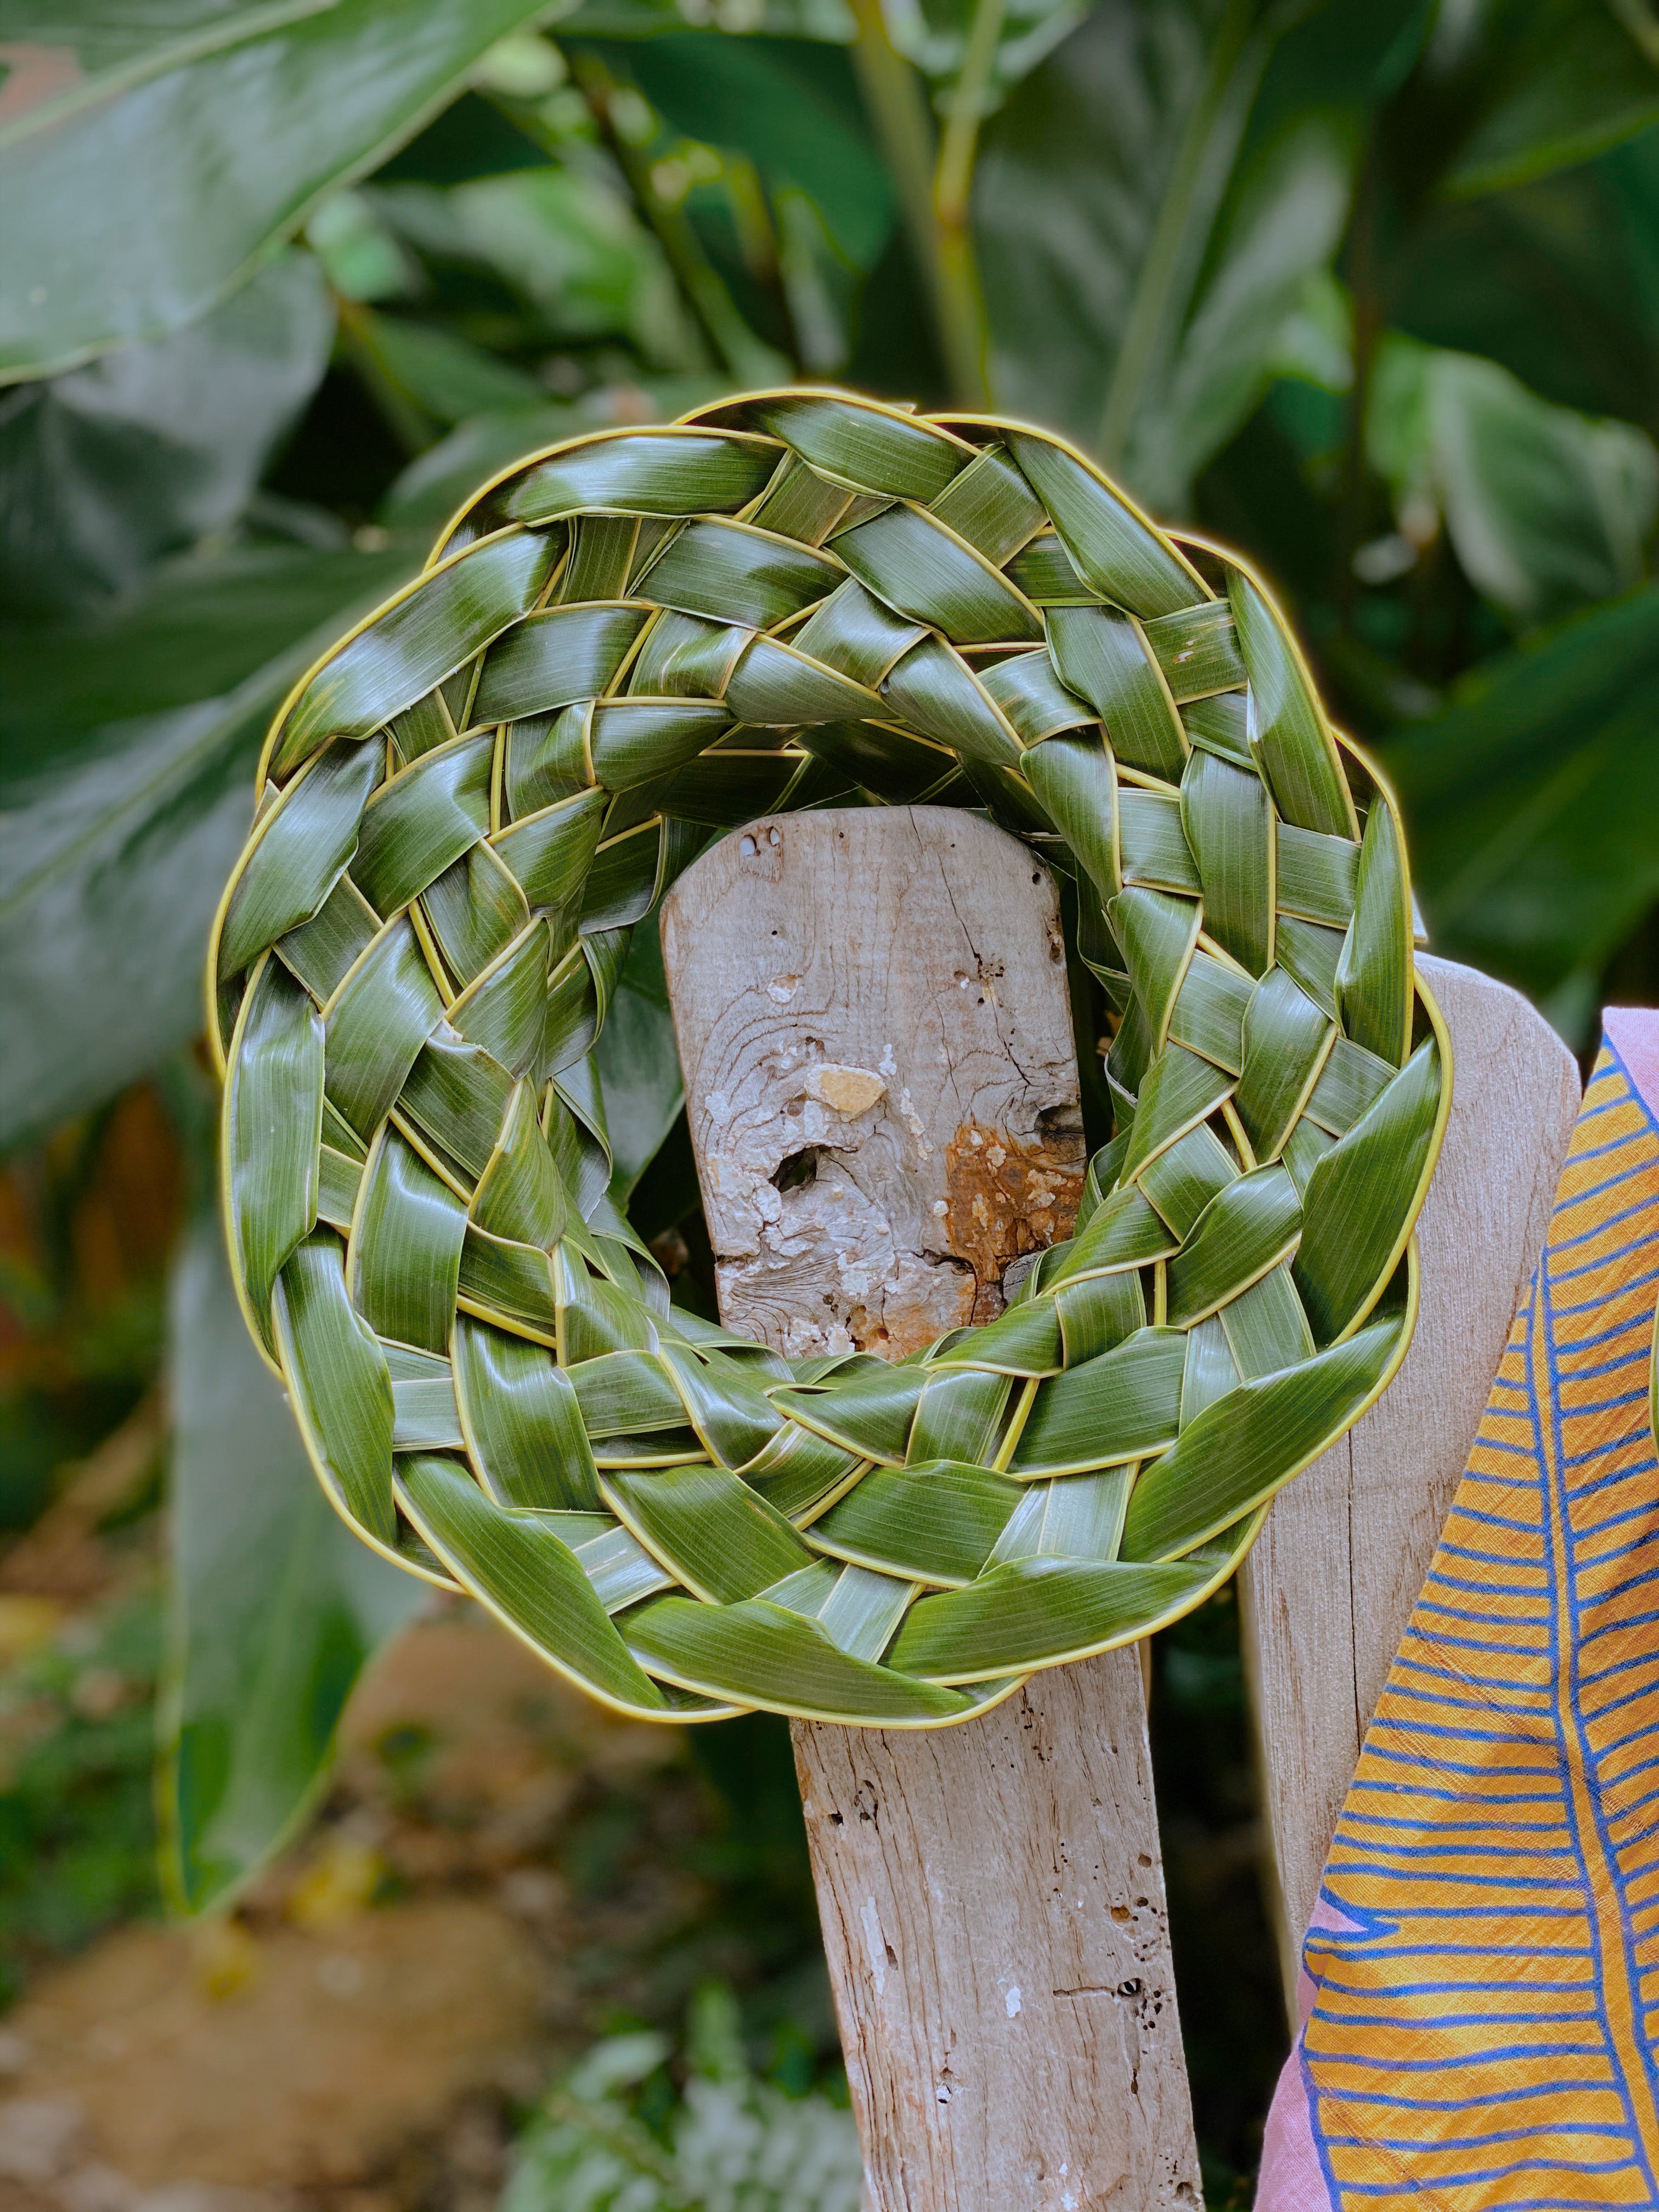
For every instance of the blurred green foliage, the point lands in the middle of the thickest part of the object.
(1368, 288)
(77, 1837)
(619, 2134)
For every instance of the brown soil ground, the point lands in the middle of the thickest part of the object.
(356, 2038)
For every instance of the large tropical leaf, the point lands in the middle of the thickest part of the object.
(792, 110)
(276, 1606)
(150, 448)
(1534, 800)
(1556, 280)
(1280, 228)
(124, 798)
(1142, 248)
(572, 248)
(781, 19)
(1547, 508)
(1554, 82)
(159, 152)
(436, 371)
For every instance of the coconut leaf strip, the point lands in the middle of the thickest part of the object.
(341, 1390)
(778, 1661)
(714, 1535)
(1070, 1606)
(1248, 1444)
(521, 1571)
(1121, 1407)
(430, 630)
(1361, 1197)
(272, 1134)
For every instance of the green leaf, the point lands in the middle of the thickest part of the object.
(276, 1606)
(1286, 1035)
(795, 114)
(708, 1529)
(566, 241)
(522, 1421)
(938, 36)
(1359, 1197)
(1110, 1410)
(1247, 1227)
(406, 1247)
(1532, 803)
(177, 153)
(415, 643)
(1248, 1444)
(1035, 1607)
(829, 20)
(444, 375)
(298, 860)
(1556, 281)
(274, 1097)
(195, 631)
(1283, 218)
(1559, 80)
(140, 454)
(639, 1063)
(759, 1653)
(1547, 508)
(515, 1564)
(1373, 978)
(339, 1384)
(1139, 262)
(1228, 825)
(121, 822)
(938, 1519)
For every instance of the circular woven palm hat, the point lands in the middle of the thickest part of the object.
(620, 649)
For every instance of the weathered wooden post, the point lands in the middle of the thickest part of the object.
(872, 1013)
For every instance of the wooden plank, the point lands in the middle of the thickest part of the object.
(865, 995)
(1340, 1563)
(881, 1082)
(995, 1916)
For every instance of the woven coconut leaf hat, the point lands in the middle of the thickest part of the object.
(621, 647)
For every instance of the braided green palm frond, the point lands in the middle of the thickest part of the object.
(641, 638)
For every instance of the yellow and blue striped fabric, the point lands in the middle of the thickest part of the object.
(1481, 1982)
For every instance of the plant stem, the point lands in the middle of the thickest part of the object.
(747, 358)
(898, 112)
(953, 182)
(961, 140)
(1175, 251)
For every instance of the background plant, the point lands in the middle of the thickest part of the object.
(1371, 291)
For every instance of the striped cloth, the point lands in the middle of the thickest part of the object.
(1481, 1984)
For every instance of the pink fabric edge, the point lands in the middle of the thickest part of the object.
(1291, 2178)
(1633, 1033)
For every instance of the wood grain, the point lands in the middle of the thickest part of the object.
(995, 1916)
(1339, 1564)
(992, 1894)
(879, 1073)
